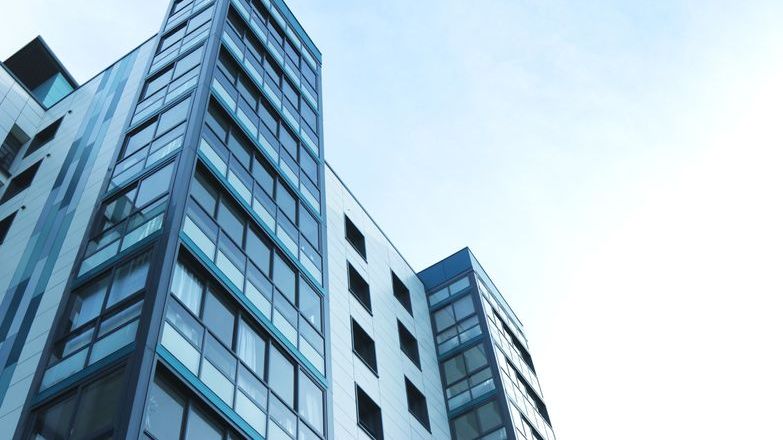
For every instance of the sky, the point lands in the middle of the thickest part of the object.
(614, 165)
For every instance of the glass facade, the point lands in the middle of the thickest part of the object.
(199, 301)
(489, 381)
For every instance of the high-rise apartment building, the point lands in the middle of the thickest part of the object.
(181, 263)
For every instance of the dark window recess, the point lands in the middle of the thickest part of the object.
(11, 146)
(417, 404)
(21, 182)
(408, 344)
(355, 237)
(43, 137)
(402, 293)
(359, 288)
(364, 346)
(5, 225)
(369, 415)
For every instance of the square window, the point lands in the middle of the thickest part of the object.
(355, 237)
(359, 288)
(417, 404)
(408, 344)
(364, 346)
(369, 414)
(43, 137)
(5, 226)
(21, 182)
(402, 293)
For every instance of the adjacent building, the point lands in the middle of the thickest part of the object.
(181, 263)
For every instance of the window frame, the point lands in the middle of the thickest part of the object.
(357, 331)
(352, 229)
(355, 277)
(43, 137)
(412, 391)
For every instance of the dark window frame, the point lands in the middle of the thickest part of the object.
(402, 293)
(11, 147)
(358, 243)
(5, 226)
(365, 403)
(359, 287)
(417, 404)
(27, 177)
(367, 341)
(44, 136)
(409, 344)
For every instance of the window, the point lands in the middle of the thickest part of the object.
(251, 348)
(417, 404)
(128, 218)
(359, 288)
(43, 137)
(408, 344)
(182, 37)
(311, 402)
(467, 376)
(244, 370)
(172, 415)
(369, 414)
(102, 317)
(265, 277)
(364, 346)
(477, 423)
(402, 293)
(219, 318)
(150, 143)
(5, 226)
(456, 323)
(452, 289)
(10, 148)
(355, 237)
(310, 304)
(21, 182)
(284, 277)
(246, 171)
(85, 413)
(281, 376)
(521, 383)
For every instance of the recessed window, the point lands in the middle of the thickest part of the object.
(364, 346)
(43, 137)
(417, 404)
(5, 226)
(11, 147)
(369, 414)
(359, 287)
(21, 182)
(408, 344)
(355, 237)
(401, 292)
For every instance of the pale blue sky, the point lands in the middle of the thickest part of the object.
(615, 166)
